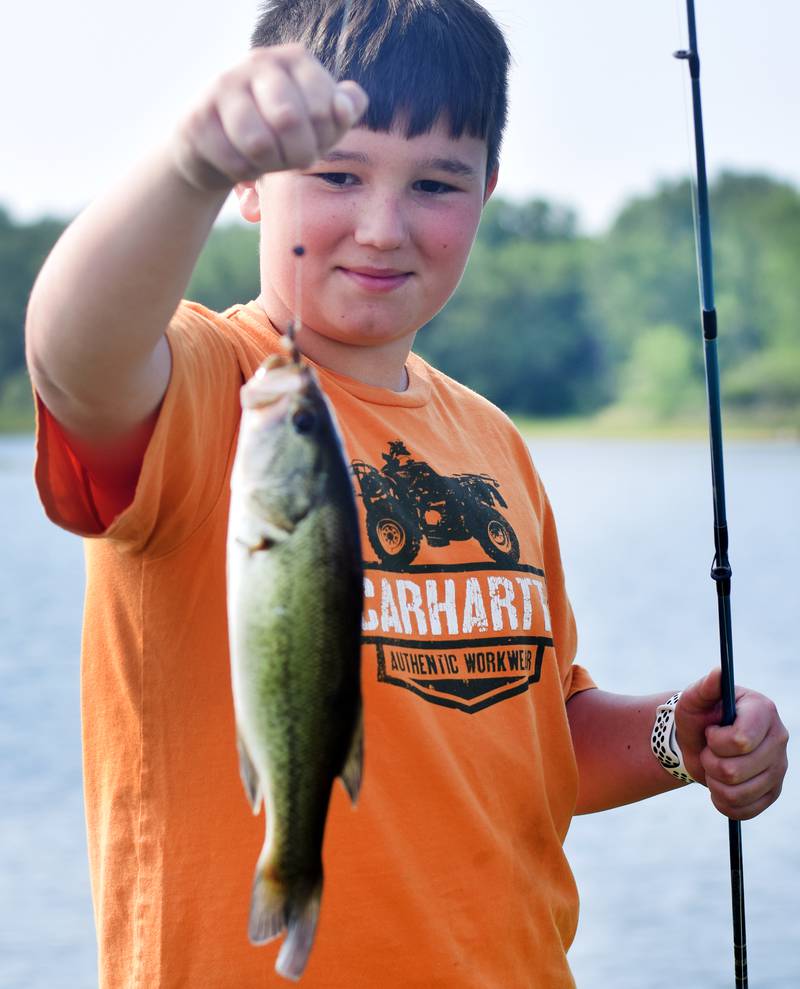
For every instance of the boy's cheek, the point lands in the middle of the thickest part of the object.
(452, 253)
(454, 236)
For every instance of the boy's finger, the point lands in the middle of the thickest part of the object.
(248, 132)
(746, 800)
(283, 108)
(755, 717)
(734, 770)
(734, 740)
(206, 156)
(318, 91)
(350, 103)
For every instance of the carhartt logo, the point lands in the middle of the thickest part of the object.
(465, 637)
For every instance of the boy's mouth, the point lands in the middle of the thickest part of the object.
(376, 279)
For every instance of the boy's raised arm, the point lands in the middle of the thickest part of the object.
(95, 340)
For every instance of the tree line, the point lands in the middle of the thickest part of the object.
(547, 321)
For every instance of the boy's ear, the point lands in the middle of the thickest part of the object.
(491, 184)
(249, 201)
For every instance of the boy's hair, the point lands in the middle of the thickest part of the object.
(420, 61)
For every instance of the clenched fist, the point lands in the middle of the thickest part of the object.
(743, 764)
(277, 109)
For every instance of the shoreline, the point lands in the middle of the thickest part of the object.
(617, 424)
(583, 428)
(572, 431)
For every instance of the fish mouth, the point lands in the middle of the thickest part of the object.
(279, 377)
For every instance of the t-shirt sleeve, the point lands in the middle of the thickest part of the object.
(185, 467)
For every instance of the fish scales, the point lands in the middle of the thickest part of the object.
(295, 589)
(291, 701)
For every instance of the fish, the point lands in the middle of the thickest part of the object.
(295, 598)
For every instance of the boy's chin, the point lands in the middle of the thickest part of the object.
(363, 333)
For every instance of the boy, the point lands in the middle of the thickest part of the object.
(482, 735)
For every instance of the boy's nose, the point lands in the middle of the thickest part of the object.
(381, 223)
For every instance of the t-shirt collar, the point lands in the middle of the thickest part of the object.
(419, 378)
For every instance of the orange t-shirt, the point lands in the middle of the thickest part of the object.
(450, 872)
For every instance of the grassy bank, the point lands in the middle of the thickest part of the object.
(16, 404)
(623, 424)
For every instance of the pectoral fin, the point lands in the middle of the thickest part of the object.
(354, 765)
(258, 547)
(249, 775)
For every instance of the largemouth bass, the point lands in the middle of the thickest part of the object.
(295, 588)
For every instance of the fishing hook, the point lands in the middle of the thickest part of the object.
(299, 249)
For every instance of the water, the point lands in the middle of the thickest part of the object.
(636, 531)
(46, 934)
(635, 525)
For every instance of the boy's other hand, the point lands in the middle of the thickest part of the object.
(743, 764)
(277, 109)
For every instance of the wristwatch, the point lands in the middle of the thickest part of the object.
(664, 741)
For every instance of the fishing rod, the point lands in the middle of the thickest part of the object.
(721, 569)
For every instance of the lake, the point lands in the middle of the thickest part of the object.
(635, 522)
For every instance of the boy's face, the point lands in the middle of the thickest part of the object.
(387, 224)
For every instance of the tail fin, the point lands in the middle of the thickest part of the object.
(303, 917)
(273, 908)
(269, 907)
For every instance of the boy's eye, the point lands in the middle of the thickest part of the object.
(338, 178)
(346, 179)
(433, 186)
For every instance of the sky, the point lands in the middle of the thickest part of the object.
(598, 105)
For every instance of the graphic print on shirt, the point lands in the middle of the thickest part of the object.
(461, 635)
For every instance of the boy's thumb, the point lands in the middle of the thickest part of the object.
(705, 694)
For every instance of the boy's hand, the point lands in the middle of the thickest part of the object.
(743, 764)
(277, 109)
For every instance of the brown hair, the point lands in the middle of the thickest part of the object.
(420, 61)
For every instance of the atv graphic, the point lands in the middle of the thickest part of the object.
(406, 501)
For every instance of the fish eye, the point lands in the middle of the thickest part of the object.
(304, 420)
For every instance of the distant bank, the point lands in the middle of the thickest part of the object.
(613, 424)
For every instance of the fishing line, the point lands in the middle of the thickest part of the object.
(337, 67)
(299, 250)
(682, 30)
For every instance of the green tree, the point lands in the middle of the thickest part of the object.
(23, 248)
(548, 322)
(519, 330)
(659, 379)
(536, 221)
(759, 251)
(16, 403)
(644, 272)
(645, 276)
(769, 381)
(227, 269)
